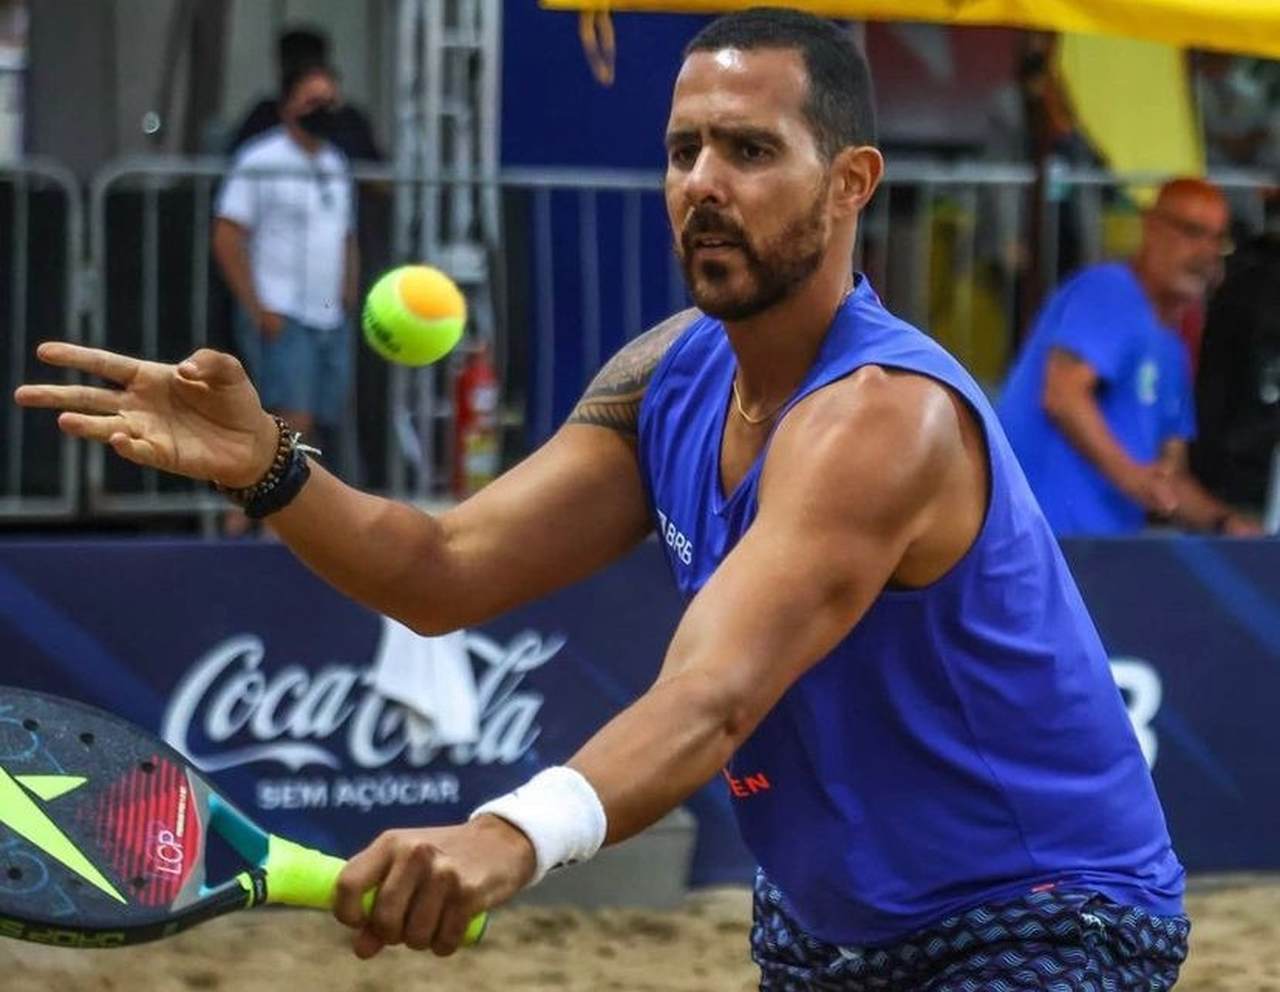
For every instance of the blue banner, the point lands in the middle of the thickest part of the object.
(1193, 629)
(240, 657)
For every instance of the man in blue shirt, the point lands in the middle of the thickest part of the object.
(1099, 406)
(883, 650)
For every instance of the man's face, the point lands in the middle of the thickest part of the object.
(314, 91)
(746, 186)
(1185, 237)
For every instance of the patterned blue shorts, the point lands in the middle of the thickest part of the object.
(1052, 941)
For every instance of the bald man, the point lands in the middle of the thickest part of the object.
(1099, 405)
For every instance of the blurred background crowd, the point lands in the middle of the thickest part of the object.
(1091, 224)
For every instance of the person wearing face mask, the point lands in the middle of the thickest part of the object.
(284, 240)
(351, 131)
(1099, 405)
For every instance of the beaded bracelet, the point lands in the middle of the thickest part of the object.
(283, 480)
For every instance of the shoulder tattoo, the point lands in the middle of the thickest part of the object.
(613, 398)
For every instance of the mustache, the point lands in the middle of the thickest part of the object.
(705, 220)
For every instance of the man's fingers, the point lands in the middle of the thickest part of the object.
(113, 431)
(422, 922)
(92, 427)
(451, 929)
(367, 944)
(363, 872)
(95, 361)
(391, 905)
(213, 367)
(135, 449)
(82, 399)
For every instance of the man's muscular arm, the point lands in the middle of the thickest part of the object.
(568, 509)
(571, 507)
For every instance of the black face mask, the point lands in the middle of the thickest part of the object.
(319, 123)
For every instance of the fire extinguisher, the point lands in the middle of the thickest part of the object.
(476, 440)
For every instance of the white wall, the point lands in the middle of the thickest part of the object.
(95, 68)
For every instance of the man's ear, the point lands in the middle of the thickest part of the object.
(856, 171)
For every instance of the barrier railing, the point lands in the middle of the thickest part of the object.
(932, 251)
(41, 234)
(583, 265)
(159, 296)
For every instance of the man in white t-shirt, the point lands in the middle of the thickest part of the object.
(284, 238)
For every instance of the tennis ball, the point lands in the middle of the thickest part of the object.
(414, 315)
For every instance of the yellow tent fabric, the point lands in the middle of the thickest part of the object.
(1246, 26)
(1133, 100)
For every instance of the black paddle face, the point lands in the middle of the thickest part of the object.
(101, 828)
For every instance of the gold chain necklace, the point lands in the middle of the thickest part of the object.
(737, 398)
(753, 421)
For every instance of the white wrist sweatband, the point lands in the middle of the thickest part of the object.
(559, 812)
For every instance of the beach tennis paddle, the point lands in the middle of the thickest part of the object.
(104, 831)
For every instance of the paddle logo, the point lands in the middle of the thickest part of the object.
(20, 812)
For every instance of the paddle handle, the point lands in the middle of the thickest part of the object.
(307, 878)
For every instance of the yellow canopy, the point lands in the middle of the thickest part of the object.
(1152, 126)
(1245, 26)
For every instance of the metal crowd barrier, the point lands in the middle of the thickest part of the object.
(940, 245)
(41, 234)
(159, 296)
(133, 205)
(583, 263)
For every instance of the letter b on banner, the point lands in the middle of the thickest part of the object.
(1142, 690)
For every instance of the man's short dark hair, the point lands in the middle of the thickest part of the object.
(301, 46)
(840, 107)
(298, 51)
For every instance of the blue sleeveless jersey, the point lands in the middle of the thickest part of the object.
(965, 742)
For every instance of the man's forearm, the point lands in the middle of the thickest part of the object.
(1084, 426)
(1198, 509)
(386, 555)
(233, 259)
(657, 752)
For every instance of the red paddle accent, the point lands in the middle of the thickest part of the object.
(153, 834)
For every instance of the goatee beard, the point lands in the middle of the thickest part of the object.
(774, 273)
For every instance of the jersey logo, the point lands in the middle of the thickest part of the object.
(680, 545)
(1148, 382)
(747, 785)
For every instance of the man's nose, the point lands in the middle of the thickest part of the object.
(705, 181)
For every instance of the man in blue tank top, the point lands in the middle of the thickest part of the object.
(884, 653)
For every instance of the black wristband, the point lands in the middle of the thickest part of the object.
(283, 480)
(288, 485)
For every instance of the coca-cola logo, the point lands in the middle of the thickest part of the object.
(292, 715)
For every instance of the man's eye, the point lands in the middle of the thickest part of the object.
(683, 155)
(753, 152)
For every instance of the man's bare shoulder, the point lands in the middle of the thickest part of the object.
(878, 429)
(614, 396)
(874, 396)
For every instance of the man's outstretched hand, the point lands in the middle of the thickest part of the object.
(200, 418)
